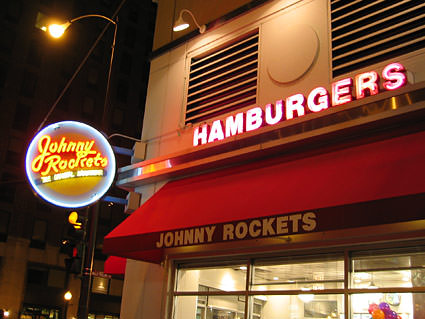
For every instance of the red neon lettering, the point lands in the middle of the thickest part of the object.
(395, 76)
(56, 157)
(295, 103)
(216, 132)
(341, 92)
(367, 82)
(200, 136)
(234, 125)
(254, 119)
(318, 99)
(277, 110)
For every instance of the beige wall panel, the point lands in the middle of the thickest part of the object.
(143, 290)
(294, 54)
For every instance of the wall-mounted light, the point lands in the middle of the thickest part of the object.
(181, 24)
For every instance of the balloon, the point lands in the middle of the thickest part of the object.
(391, 315)
(399, 317)
(384, 307)
(378, 314)
(372, 307)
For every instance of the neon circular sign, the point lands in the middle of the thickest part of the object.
(70, 164)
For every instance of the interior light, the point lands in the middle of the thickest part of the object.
(242, 268)
(306, 297)
(275, 278)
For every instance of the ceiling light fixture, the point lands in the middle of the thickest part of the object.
(181, 24)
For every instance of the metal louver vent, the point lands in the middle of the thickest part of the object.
(365, 32)
(224, 80)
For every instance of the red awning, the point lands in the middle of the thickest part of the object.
(378, 170)
(114, 265)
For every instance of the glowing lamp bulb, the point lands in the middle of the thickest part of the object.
(56, 30)
(67, 296)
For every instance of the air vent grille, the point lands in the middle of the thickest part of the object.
(365, 32)
(224, 80)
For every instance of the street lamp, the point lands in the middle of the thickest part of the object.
(57, 30)
(67, 296)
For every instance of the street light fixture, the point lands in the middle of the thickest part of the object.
(57, 30)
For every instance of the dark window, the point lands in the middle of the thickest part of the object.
(3, 73)
(56, 278)
(34, 53)
(133, 15)
(118, 118)
(7, 36)
(8, 187)
(88, 107)
(15, 152)
(98, 52)
(38, 238)
(37, 276)
(4, 224)
(13, 10)
(29, 82)
(43, 207)
(126, 63)
(92, 77)
(130, 37)
(22, 117)
(122, 91)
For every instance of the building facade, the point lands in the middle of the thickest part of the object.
(34, 70)
(284, 164)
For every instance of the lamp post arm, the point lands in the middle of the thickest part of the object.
(92, 16)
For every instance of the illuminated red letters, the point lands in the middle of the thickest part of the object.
(342, 91)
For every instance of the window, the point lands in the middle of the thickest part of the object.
(88, 107)
(22, 117)
(34, 53)
(122, 91)
(92, 77)
(315, 286)
(15, 151)
(4, 224)
(39, 232)
(130, 37)
(368, 32)
(223, 80)
(56, 278)
(126, 62)
(28, 85)
(118, 118)
(3, 73)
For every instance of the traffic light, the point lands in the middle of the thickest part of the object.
(73, 244)
(75, 254)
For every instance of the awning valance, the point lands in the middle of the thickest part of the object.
(255, 198)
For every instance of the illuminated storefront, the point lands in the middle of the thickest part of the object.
(281, 181)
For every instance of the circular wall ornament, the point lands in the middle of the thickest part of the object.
(70, 164)
(294, 54)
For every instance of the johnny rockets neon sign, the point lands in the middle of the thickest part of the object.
(298, 105)
(70, 164)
